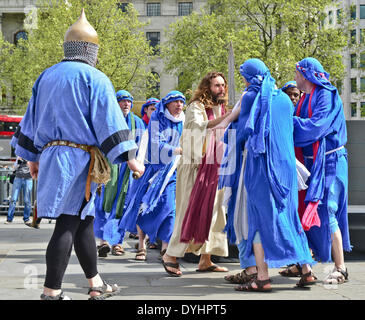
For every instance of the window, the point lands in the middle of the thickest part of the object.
(153, 85)
(339, 16)
(353, 109)
(339, 86)
(185, 8)
(353, 85)
(123, 6)
(362, 35)
(353, 36)
(362, 84)
(362, 11)
(353, 12)
(20, 35)
(353, 60)
(362, 60)
(362, 110)
(330, 17)
(153, 9)
(154, 39)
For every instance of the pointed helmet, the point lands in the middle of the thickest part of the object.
(82, 30)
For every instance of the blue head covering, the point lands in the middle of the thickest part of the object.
(124, 95)
(259, 77)
(148, 103)
(289, 84)
(314, 72)
(170, 97)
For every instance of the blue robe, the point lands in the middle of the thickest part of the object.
(329, 177)
(76, 102)
(152, 211)
(106, 223)
(270, 165)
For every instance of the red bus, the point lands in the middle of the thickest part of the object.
(8, 125)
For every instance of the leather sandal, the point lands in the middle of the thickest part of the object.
(303, 282)
(104, 294)
(288, 272)
(117, 250)
(240, 278)
(103, 250)
(142, 253)
(337, 276)
(60, 296)
(259, 286)
(171, 265)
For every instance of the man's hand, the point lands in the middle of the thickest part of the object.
(33, 168)
(178, 151)
(135, 166)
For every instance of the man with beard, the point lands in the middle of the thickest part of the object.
(202, 217)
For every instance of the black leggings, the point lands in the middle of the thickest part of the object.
(70, 230)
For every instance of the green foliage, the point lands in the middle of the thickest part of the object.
(123, 55)
(280, 32)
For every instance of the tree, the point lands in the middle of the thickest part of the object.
(279, 32)
(124, 52)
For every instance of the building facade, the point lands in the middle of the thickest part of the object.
(161, 13)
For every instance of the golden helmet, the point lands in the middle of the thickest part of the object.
(82, 30)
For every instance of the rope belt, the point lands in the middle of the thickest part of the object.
(99, 170)
(326, 153)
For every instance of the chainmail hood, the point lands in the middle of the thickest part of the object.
(81, 50)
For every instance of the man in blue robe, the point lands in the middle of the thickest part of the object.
(152, 204)
(320, 133)
(147, 108)
(71, 115)
(269, 230)
(110, 204)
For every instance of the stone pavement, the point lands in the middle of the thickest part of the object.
(22, 270)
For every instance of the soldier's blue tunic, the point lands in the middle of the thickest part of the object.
(76, 102)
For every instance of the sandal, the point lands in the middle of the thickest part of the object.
(171, 265)
(141, 253)
(259, 283)
(133, 236)
(60, 296)
(103, 293)
(117, 250)
(303, 282)
(288, 272)
(103, 250)
(337, 276)
(240, 278)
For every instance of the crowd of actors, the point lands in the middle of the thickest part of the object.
(270, 175)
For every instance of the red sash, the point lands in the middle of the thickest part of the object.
(308, 214)
(198, 216)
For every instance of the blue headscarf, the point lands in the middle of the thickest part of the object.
(148, 103)
(314, 72)
(258, 76)
(289, 84)
(124, 95)
(170, 97)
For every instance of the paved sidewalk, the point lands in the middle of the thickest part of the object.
(22, 270)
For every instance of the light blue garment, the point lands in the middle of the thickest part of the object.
(75, 102)
(25, 185)
(106, 223)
